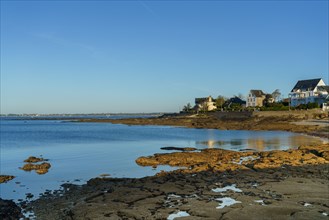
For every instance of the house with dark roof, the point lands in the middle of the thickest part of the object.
(255, 98)
(309, 91)
(235, 100)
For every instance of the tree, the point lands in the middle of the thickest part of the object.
(276, 95)
(187, 108)
(220, 101)
(240, 96)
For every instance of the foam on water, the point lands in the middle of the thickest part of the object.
(260, 201)
(226, 201)
(224, 189)
(178, 215)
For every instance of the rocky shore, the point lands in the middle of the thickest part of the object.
(267, 121)
(212, 184)
(208, 184)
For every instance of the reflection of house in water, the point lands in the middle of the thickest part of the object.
(277, 143)
(213, 143)
(236, 142)
(298, 140)
(210, 143)
(261, 144)
(256, 143)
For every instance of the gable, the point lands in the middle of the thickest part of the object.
(323, 89)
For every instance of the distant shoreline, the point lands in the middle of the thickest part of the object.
(312, 123)
(80, 114)
(309, 122)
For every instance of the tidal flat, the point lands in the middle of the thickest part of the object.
(264, 173)
(289, 184)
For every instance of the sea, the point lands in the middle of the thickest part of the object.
(79, 151)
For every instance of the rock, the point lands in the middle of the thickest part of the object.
(39, 168)
(6, 178)
(33, 163)
(179, 148)
(33, 159)
(9, 210)
(219, 160)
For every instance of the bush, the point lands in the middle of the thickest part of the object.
(275, 107)
(310, 105)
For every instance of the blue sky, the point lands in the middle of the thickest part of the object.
(154, 56)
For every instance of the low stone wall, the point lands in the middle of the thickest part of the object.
(231, 115)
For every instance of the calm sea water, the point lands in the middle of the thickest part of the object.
(80, 151)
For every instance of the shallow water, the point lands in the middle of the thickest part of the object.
(80, 151)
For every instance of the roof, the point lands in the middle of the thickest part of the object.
(257, 93)
(308, 84)
(202, 100)
(236, 100)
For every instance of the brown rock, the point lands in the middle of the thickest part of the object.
(33, 159)
(6, 178)
(39, 168)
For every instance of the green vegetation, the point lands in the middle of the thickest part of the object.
(275, 107)
(283, 106)
(310, 105)
(220, 101)
(187, 108)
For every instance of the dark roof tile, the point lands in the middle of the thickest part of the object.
(308, 84)
(257, 93)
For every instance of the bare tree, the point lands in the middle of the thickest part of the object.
(276, 95)
(240, 96)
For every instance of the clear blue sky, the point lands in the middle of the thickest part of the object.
(154, 56)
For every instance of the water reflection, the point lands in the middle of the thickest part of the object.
(261, 143)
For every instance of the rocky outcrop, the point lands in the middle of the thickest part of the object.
(34, 163)
(295, 192)
(39, 168)
(179, 148)
(6, 178)
(226, 160)
(33, 159)
(9, 210)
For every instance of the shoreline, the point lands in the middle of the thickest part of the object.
(299, 122)
(268, 183)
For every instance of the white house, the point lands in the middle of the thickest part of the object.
(309, 91)
(255, 98)
(205, 104)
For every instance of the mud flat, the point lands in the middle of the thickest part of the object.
(211, 184)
